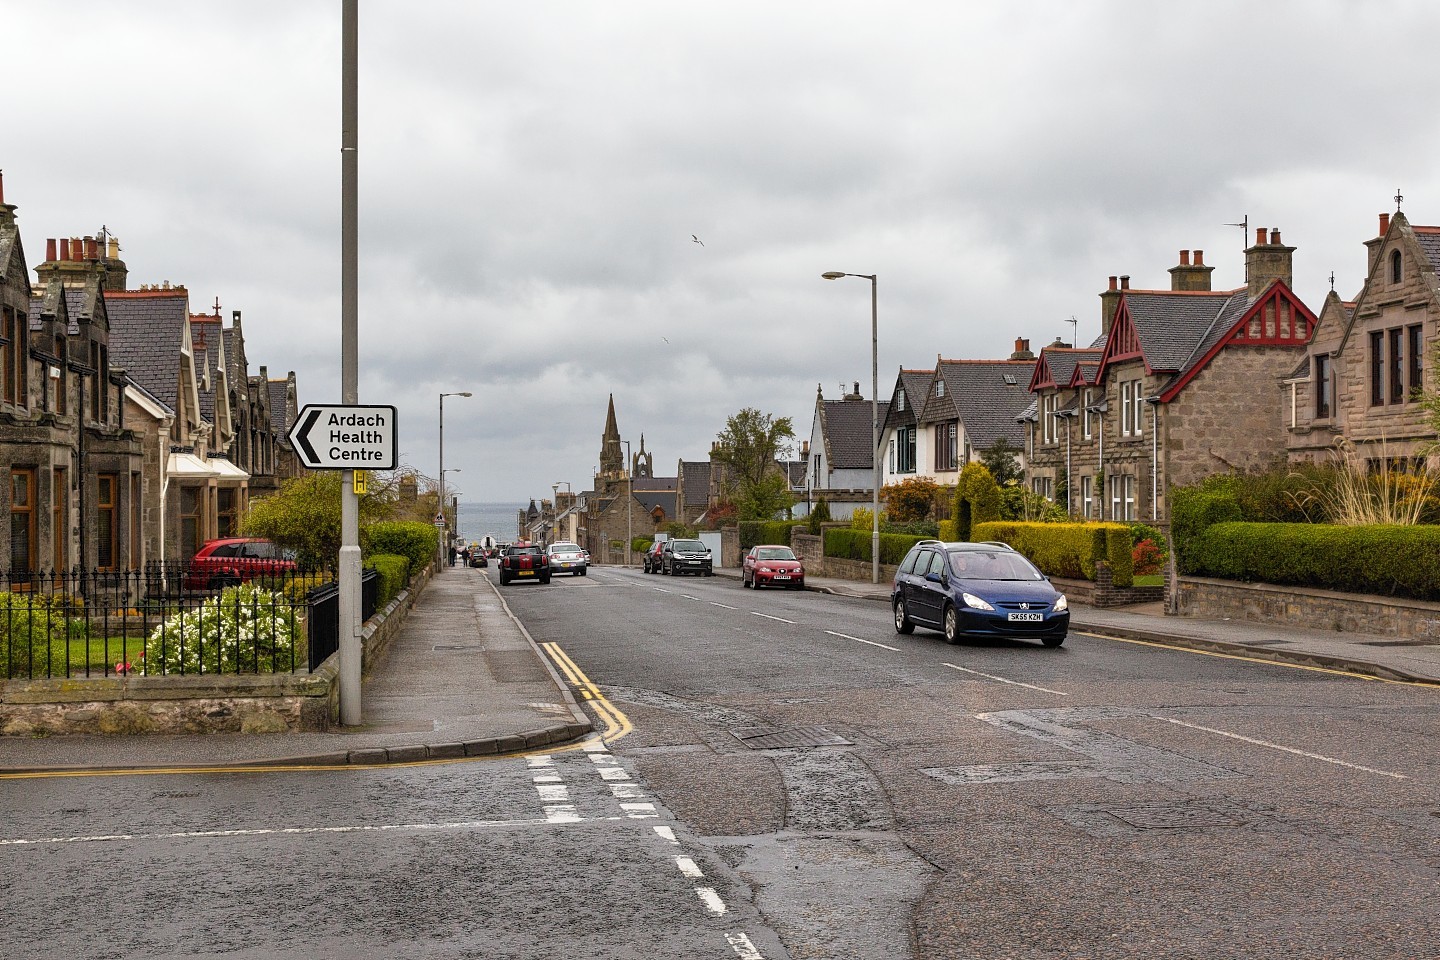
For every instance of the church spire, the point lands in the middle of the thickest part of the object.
(612, 458)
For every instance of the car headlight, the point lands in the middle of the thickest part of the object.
(973, 601)
(1062, 604)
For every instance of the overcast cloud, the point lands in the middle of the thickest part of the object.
(531, 175)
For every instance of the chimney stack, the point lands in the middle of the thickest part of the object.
(1188, 276)
(50, 249)
(1384, 224)
(1267, 262)
(1022, 350)
(1109, 303)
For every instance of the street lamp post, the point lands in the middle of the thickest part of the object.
(629, 504)
(442, 523)
(874, 415)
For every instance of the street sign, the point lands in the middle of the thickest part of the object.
(345, 437)
(358, 483)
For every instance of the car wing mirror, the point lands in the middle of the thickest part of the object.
(934, 578)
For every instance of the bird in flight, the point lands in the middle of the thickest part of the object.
(697, 239)
(666, 339)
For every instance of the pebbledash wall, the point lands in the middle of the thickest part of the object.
(271, 703)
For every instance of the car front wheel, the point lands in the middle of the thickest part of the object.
(952, 624)
(1053, 641)
(903, 623)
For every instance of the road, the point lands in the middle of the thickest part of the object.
(787, 777)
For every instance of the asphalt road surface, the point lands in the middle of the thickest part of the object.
(784, 776)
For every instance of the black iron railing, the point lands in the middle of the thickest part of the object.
(323, 624)
(166, 619)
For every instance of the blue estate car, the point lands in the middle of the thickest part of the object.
(976, 590)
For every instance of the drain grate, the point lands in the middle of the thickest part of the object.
(769, 738)
(456, 647)
(1398, 643)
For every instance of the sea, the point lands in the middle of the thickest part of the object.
(497, 519)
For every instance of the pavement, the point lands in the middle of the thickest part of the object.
(463, 678)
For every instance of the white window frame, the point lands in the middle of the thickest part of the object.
(1088, 396)
(1129, 497)
(1087, 495)
(1126, 414)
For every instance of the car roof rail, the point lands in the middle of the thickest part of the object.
(920, 543)
(997, 543)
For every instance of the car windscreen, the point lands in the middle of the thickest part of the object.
(774, 553)
(985, 565)
(687, 546)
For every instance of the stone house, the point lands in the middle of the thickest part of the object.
(283, 408)
(73, 460)
(841, 459)
(1365, 370)
(905, 456)
(1181, 389)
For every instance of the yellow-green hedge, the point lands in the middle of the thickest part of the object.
(948, 531)
(1067, 549)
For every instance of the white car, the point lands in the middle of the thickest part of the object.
(566, 557)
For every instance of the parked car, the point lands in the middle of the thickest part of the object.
(566, 557)
(224, 563)
(976, 590)
(652, 556)
(686, 556)
(772, 565)
(524, 561)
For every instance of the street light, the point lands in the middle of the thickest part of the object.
(440, 507)
(874, 415)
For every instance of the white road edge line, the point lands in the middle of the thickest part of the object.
(688, 597)
(846, 636)
(987, 676)
(714, 603)
(768, 617)
(1276, 746)
(711, 899)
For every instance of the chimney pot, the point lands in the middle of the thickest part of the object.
(1384, 223)
(857, 387)
(91, 251)
(64, 248)
(1112, 282)
(1124, 281)
(1019, 344)
(1184, 258)
(1259, 236)
(50, 250)
(1199, 258)
(1275, 235)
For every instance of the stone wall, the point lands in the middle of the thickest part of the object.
(269, 703)
(1323, 609)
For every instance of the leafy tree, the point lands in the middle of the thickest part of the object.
(1002, 462)
(977, 499)
(748, 447)
(911, 500)
(819, 515)
(304, 515)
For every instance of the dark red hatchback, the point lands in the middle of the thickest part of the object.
(224, 563)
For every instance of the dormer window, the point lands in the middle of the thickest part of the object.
(1396, 272)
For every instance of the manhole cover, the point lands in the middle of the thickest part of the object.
(1167, 816)
(451, 647)
(769, 738)
(1398, 643)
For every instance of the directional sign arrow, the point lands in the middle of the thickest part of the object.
(300, 434)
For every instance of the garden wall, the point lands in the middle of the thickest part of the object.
(1323, 609)
(247, 703)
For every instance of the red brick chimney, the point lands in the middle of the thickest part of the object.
(1384, 224)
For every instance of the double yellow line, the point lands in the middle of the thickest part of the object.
(616, 723)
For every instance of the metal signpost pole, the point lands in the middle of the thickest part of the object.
(874, 413)
(351, 652)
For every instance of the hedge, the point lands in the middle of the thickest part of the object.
(848, 544)
(394, 573)
(755, 532)
(1193, 510)
(1401, 561)
(1067, 549)
(415, 541)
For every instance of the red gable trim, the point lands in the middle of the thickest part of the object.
(1278, 319)
(1123, 342)
(1042, 377)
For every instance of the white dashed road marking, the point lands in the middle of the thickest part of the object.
(768, 617)
(987, 676)
(846, 636)
(1276, 746)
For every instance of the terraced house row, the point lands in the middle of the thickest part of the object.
(1189, 381)
(131, 430)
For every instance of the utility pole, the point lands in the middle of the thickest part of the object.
(351, 650)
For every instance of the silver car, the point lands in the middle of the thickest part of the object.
(566, 557)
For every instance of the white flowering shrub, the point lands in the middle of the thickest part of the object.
(246, 629)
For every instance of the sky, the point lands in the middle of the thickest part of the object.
(534, 178)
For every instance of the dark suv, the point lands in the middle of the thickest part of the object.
(686, 556)
(976, 590)
(524, 561)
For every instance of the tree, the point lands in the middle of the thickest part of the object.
(749, 447)
(821, 514)
(977, 499)
(1002, 462)
(911, 500)
(304, 515)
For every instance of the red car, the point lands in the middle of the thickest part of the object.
(772, 565)
(224, 563)
(652, 556)
(524, 561)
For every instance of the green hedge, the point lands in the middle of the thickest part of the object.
(415, 541)
(1067, 549)
(1193, 510)
(1399, 561)
(394, 573)
(949, 531)
(755, 532)
(848, 544)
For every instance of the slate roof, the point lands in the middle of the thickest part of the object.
(988, 396)
(1062, 361)
(650, 499)
(1429, 240)
(848, 433)
(278, 425)
(1172, 327)
(697, 482)
(146, 331)
(667, 484)
(915, 383)
(207, 361)
(794, 472)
